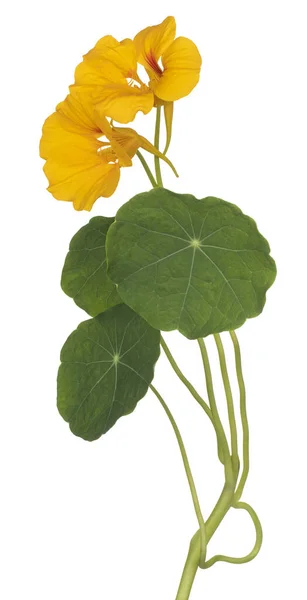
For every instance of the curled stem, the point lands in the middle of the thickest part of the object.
(257, 545)
(201, 522)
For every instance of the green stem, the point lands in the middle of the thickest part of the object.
(192, 561)
(202, 556)
(229, 496)
(216, 417)
(190, 570)
(184, 380)
(156, 143)
(243, 413)
(190, 387)
(230, 405)
(257, 545)
(147, 169)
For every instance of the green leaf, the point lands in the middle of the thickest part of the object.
(84, 276)
(200, 266)
(107, 366)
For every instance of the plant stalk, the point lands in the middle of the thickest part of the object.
(157, 143)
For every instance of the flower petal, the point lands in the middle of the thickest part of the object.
(122, 102)
(101, 79)
(153, 41)
(82, 186)
(77, 171)
(123, 156)
(182, 63)
(120, 55)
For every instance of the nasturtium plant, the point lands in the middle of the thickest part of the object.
(166, 261)
(107, 365)
(84, 275)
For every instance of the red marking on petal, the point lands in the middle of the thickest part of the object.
(152, 63)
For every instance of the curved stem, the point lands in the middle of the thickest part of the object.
(220, 510)
(243, 413)
(147, 169)
(157, 142)
(216, 417)
(184, 380)
(230, 405)
(203, 543)
(257, 545)
(191, 389)
(168, 116)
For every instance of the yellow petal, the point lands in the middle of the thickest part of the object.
(120, 56)
(122, 102)
(62, 138)
(101, 80)
(82, 186)
(80, 115)
(111, 134)
(153, 41)
(182, 63)
(75, 167)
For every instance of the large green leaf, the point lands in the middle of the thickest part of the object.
(84, 276)
(200, 266)
(107, 366)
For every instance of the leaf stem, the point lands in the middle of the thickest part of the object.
(147, 169)
(190, 387)
(230, 405)
(216, 417)
(201, 522)
(243, 413)
(156, 143)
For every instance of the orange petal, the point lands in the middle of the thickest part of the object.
(182, 63)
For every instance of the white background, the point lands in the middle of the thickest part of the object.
(112, 519)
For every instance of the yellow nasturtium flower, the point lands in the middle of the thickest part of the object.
(84, 153)
(179, 71)
(108, 75)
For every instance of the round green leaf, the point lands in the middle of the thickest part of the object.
(84, 275)
(200, 266)
(107, 366)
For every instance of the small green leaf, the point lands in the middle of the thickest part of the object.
(200, 266)
(107, 366)
(84, 276)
